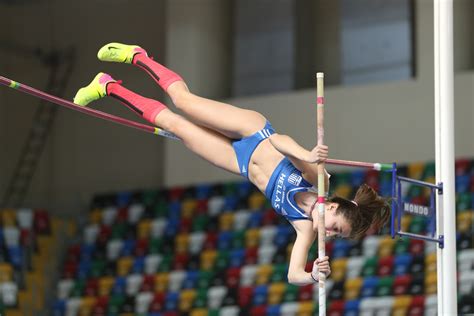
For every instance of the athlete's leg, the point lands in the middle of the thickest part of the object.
(212, 146)
(229, 120)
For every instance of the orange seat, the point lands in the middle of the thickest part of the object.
(431, 284)
(415, 170)
(305, 308)
(199, 312)
(252, 237)
(208, 257)
(8, 217)
(338, 268)
(6, 272)
(182, 243)
(188, 208)
(430, 262)
(401, 305)
(264, 272)
(256, 200)
(186, 300)
(95, 216)
(143, 229)
(275, 293)
(86, 305)
(124, 265)
(161, 282)
(352, 288)
(105, 284)
(226, 221)
(386, 246)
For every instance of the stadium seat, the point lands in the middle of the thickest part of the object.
(226, 221)
(24, 217)
(352, 288)
(186, 300)
(338, 269)
(341, 248)
(352, 307)
(385, 266)
(196, 242)
(289, 308)
(370, 245)
(229, 311)
(431, 305)
(370, 266)
(176, 278)
(241, 218)
(267, 235)
(232, 277)
(142, 302)
(337, 291)
(354, 266)
(385, 286)
(431, 282)
(245, 296)
(64, 288)
(417, 306)
(266, 254)
(369, 286)
(401, 284)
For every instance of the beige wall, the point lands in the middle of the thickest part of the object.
(379, 122)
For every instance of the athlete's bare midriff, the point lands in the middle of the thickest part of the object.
(263, 162)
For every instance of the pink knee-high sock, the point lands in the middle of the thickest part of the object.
(162, 75)
(148, 108)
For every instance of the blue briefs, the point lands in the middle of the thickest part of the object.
(245, 147)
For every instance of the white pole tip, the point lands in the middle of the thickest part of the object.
(320, 75)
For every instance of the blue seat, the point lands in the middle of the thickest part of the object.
(230, 203)
(119, 286)
(174, 208)
(203, 191)
(128, 247)
(244, 188)
(171, 301)
(237, 257)
(357, 177)
(84, 268)
(224, 240)
(282, 237)
(351, 308)
(273, 310)
(173, 226)
(191, 279)
(123, 199)
(369, 286)
(260, 295)
(59, 308)
(255, 219)
(402, 263)
(463, 183)
(138, 265)
(87, 251)
(15, 254)
(341, 248)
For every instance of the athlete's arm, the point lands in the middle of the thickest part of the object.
(305, 237)
(303, 159)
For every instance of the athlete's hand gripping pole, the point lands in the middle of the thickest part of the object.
(321, 192)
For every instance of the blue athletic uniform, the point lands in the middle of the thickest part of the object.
(285, 180)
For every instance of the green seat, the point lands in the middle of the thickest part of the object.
(166, 263)
(78, 288)
(115, 303)
(291, 293)
(201, 298)
(155, 246)
(97, 268)
(280, 272)
(230, 188)
(238, 242)
(343, 178)
(369, 267)
(204, 279)
(385, 286)
(213, 312)
(200, 223)
(149, 197)
(160, 209)
(415, 191)
(401, 246)
(222, 260)
(417, 225)
(118, 231)
(430, 170)
(463, 201)
(313, 252)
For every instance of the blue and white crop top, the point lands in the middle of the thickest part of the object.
(284, 183)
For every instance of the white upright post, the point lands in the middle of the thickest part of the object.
(444, 134)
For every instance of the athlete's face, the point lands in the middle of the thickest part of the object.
(336, 224)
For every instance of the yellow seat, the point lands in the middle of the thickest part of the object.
(430, 262)
(386, 246)
(188, 207)
(199, 312)
(431, 284)
(264, 272)
(401, 305)
(464, 221)
(124, 265)
(208, 257)
(252, 237)
(305, 308)
(275, 292)
(226, 221)
(256, 200)
(87, 303)
(186, 299)
(143, 229)
(182, 242)
(8, 217)
(161, 282)
(105, 284)
(415, 170)
(352, 288)
(405, 223)
(95, 216)
(338, 268)
(14, 312)
(6, 272)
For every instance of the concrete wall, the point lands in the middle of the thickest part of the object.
(378, 122)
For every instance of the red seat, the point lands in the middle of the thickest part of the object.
(305, 293)
(69, 270)
(185, 225)
(176, 193)
(201, 207)
(245, 296)
(417, 306)
(462, 166)
(158, 303)
(385, 266)
(92, 287)
(336, 308)
(141, 247)
(251, 255)
(259, 310)
(401, 284)
(170, 313)
(41, 222)
(104, 234)
(270, 217)
(416, 247)
(372, 179)
(26, 237)
(211, 241)
(100, 307)
(233, 277)
(148, 284)
(180, 261)
(122, 215)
